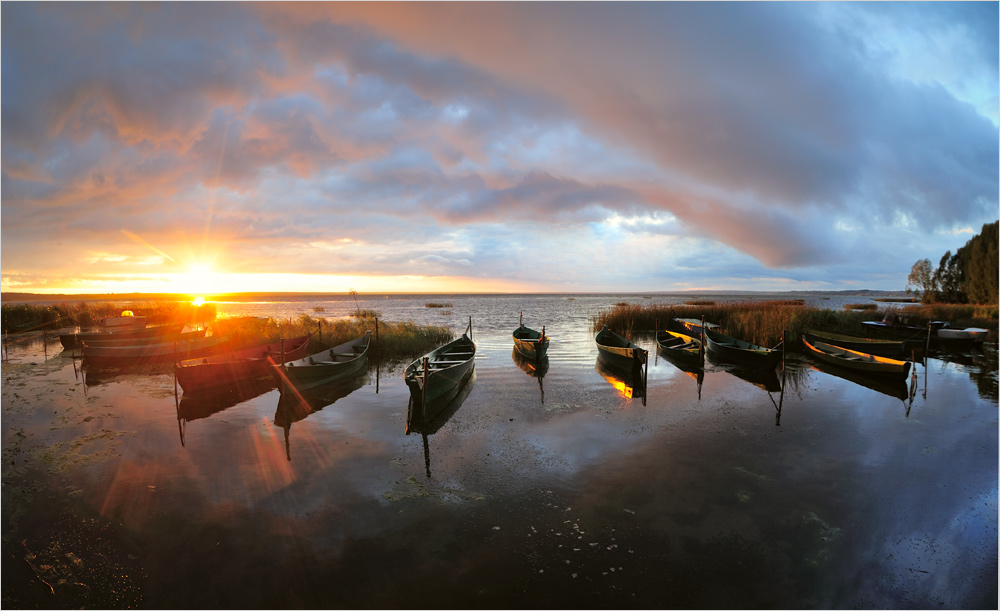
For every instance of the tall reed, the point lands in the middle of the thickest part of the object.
(396, 340)
(758, 322)
(21, 316)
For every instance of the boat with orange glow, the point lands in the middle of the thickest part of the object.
(232, 368)
(74, 340)
(149, 353)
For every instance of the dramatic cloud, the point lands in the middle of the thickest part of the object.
(546, 146)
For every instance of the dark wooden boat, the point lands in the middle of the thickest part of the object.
(858, 361)
(881, 347)
(897, 326)
(531, 344)
(436, 378)
(73, 340)
(692, 326)
(233, 368)
(738, 351)
(111, 339)
(343, 362)
(615, 351)
(680, 346)
(148, 353)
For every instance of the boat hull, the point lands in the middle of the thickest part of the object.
(74, 340)
(679, 346)
(618, 353)
(152, 353)
(530, 344)
(342, 362)
(880, 347)
(737, 351)
(858, 361)
(236, 368)
(444, 380)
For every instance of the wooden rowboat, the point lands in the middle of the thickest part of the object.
(692, 326)
(615, 351)
(339, 363)
(680, 346)
(437, 377)
(74, 340)
(112, 339)
(531, 344)
(881, 347)
(738, 351)
(127, 319)
(152, 353)
(238, 367)
(858, 361)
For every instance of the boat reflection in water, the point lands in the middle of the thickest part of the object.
(689, 368)
(628, 384)
(197, 405)
(96, 375)
(295, 405)
(765, 378)
(532, 368)
(415, 423)
(891, 387)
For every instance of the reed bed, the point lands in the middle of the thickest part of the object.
(26, 317)
(397, 341)
(957, 314)
(758, 322)
(438, 305)
(861, 306)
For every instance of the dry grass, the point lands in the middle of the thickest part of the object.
(19, 316)
(397, 341)
(758, 322)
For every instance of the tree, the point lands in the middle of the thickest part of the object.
(948, 279)
(980, 263)
(920, 282)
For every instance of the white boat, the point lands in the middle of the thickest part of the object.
(973, 333)
(127, 319)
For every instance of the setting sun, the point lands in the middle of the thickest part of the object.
(199, 279)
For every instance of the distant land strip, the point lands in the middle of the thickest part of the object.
(60, 297)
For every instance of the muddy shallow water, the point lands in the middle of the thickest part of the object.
(571, 490)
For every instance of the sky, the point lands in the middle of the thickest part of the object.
(492, 147)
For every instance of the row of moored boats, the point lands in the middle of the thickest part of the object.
(204, 363)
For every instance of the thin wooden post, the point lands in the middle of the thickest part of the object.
(319, 324)
(927, 348)
(423, 395)
(281, 387)
(704, 338)
(520, 320)
(470, 327)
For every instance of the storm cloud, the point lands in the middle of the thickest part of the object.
(779, 145)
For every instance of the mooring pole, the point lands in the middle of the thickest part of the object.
(927, 348)
(281, 388)
(319, 325)
(423, 396)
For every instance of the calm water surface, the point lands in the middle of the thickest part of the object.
(573, 489)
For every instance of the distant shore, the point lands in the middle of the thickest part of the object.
(24, 297)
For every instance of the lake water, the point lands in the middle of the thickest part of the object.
(574, 489)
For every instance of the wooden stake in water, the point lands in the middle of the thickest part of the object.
(423, 395)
